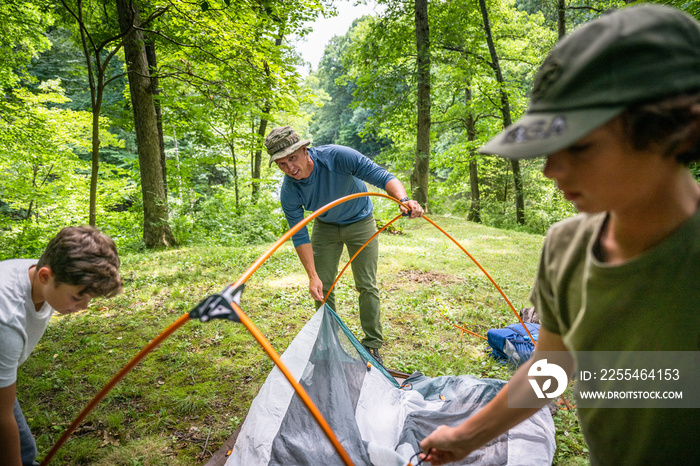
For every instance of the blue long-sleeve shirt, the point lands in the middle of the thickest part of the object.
(338, 171)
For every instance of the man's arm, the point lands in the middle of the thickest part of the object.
(395, 189)
(352, 162)
(9, 432)
(306, 256)
(450, 444)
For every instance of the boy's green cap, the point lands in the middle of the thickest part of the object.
(641, 53)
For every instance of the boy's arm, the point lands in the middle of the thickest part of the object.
(453, 443)
(9, 432)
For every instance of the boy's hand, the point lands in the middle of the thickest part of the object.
(443, 446)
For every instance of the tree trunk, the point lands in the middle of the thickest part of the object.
(561, 19)
(95, 157)
(177, 165)
(96, 93)
(155, 90)
(505, 111)
(421, 167)
(519, 195)
(156, 230)
(232, 148)
(475, 208)
(257, 158)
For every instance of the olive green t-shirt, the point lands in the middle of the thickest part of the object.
(649, 303)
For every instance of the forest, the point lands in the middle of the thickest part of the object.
(146, 119)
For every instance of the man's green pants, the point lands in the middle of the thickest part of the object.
(327, 240)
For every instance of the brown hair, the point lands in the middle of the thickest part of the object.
(84, 256)
(672, 123)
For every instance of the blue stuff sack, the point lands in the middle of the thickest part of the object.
(513, 343)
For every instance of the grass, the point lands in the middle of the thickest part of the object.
(196, 387)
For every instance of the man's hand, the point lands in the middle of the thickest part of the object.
(316, 288)
(306, 255)
(395, 189)
(414, 209)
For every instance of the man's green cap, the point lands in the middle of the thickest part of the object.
(641, 53)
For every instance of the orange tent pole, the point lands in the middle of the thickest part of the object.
(297, 387)
(255, 332)
(325, 298)
(115, 380)
(485, 273)
(458, 245)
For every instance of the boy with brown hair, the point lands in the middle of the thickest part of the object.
(78, 264)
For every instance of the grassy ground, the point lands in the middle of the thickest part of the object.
(190, 394)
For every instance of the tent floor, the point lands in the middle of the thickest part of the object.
(221, 455)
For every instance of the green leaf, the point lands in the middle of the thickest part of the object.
(205, 6)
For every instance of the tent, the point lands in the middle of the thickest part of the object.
(377, 419)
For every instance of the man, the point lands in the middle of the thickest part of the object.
(315, 177)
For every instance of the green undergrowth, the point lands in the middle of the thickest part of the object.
(189, 395)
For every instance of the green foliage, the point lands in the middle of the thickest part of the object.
(21, 37)
(576, 12)
(23, 239)
(375, 62)
(689, 6)
(339, 120)
(571, 446)
(380, 61)
(234, 72)
(45, 184)
(544, 204)
(695, 169)
(66, 62)
(215, 219)
(222, 70)
(217, 58)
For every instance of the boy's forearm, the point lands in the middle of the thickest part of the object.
(498, 417)
(9, 440)
(507, 409)
(10, 448)
(451, 444)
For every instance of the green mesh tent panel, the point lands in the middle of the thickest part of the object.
(376, 421)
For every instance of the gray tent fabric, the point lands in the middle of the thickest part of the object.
(376, 421)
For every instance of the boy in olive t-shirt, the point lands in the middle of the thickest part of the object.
(615, 108)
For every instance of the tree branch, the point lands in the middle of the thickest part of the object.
(589, 8)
